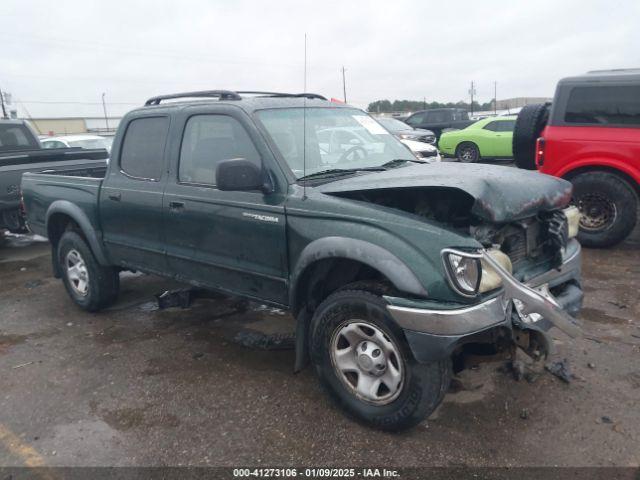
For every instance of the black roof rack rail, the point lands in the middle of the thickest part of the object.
(221, 94)
(280, 94)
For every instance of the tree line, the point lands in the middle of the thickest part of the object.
(386, 106)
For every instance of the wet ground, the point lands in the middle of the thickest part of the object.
(135, 385)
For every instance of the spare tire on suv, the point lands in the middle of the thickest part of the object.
(529, 125)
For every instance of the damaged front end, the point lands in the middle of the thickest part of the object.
(526, 278)
(523, 278)
(516, 312)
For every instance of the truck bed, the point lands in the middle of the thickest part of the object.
(79, 186)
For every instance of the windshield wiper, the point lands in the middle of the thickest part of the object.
(341, 171)
(399, 161)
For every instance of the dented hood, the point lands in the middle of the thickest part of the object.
(501, 194)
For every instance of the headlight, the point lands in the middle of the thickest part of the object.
(407, 136)
(469, 275)
(464, 271)
(573, 220)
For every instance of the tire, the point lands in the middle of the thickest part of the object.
(609, 208)
(529, 125)
(468, 152)
(420, 387)
(101, 283)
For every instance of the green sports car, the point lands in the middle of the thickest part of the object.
(487, 138)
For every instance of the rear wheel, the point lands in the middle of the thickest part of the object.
(468, 152)
(89, 284)
(609, 208)
(364, 362)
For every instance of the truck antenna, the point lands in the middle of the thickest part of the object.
(304, 123)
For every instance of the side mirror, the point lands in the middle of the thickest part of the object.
(239, 174)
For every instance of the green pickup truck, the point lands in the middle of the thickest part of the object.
(393, 268)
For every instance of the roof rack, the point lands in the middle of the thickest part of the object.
(616, 70)
(229, 95)
(280, 94)
(221, 94)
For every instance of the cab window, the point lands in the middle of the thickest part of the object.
(142, 153)
(208, 140)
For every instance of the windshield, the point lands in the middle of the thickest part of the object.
(393, 124)
(91, 143)
(336, 138)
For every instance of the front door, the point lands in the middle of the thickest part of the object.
(131, 196)
(231, 241)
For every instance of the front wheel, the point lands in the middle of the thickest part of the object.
(90, 285)
(365, 363)
(609, 208)
(467, 152)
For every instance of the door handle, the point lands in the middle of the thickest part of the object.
(115, 197)
(176, 205)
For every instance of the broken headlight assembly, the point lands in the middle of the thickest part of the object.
(469, 274)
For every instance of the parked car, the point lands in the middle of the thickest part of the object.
(406, 132)
(20, 152)
(423, 150)
(82, 141)
(391, 266)
(590, 136)
(489, 138)
(342, 139)
(439, 120)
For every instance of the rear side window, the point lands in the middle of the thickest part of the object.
(16, 137)
(209, 139)
(142, 153)
(506, 126)
(438, 117)
(492, 126)
(604, 105)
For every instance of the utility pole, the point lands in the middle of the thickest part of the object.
(344, 86)
(424, 103)
(495, 98)
(104, 109)
(472, 92)
(4, 110)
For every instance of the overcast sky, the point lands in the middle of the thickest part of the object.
(73, 51)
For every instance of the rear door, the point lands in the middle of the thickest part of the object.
(131, 195)
(231, 241)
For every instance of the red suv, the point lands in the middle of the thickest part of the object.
(590, 135)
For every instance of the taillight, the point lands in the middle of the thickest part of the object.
(540, 146)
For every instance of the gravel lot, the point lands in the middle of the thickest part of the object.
(135, 385)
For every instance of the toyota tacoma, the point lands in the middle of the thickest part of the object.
(393, 268)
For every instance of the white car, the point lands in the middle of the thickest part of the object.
(422, 150)
(82, 141)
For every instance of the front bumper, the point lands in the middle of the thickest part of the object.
(543, 301)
